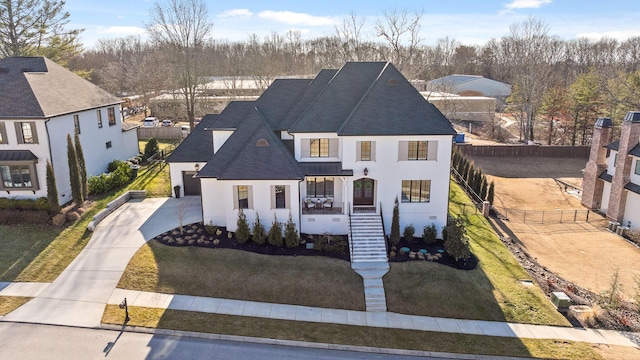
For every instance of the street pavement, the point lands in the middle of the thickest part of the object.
(78, 296)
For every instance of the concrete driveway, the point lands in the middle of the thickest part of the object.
(78, 296)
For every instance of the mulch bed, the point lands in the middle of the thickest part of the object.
(197, 235)
(434, 252)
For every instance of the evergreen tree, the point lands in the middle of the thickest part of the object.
(74, 173)
(456, 243)
(52, 190)
(82, 166)
(275, 233)
(291, 238)
(259, 233)
(490, 193)
(394, 237)
(242, 231)
(483, 188)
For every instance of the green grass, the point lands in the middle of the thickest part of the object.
(162, 144)
(348, 335)
(226, 273)
(492, 291)
(40, 253)
(10, 303)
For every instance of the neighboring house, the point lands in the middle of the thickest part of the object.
(456, 107)
(611, 182)
(470, 85)
(348, 141)
(41, 103)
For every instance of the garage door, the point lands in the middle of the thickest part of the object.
(191, 185)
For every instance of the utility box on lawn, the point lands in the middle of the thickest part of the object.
(560, 300)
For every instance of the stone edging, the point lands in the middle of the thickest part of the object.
(305, 344)
(113, 205)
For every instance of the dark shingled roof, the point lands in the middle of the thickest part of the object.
(633, 187)
(325, 169)
(36, 87)
(311, 92)
(17, 155)
(233, 114)
(606, 177)
(279, 97)
(198, 145)
(253, 152)
(614, 145)
(635, 151)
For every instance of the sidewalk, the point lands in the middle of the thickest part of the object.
(78, 296)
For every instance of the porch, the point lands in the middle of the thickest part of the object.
(327, 206)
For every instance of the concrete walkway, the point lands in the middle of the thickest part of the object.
(78, 296)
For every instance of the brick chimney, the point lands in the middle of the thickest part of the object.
(629, 137)
(591, 185)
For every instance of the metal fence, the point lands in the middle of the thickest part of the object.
(543, 216)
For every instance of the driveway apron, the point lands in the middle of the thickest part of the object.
(78, 296)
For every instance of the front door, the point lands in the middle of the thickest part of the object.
(363, 192)
(191, 184)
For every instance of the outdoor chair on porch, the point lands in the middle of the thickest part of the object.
(328, 204)
(310, 203)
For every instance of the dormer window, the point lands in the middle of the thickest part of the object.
(319, 147)
(262, 142)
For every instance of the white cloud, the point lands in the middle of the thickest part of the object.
(244, 13)
(293, 18)
(121, 30)
(620, 35)
(526, 4)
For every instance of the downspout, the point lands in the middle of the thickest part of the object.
(300, 205)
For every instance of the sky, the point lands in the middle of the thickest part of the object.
(469, 22)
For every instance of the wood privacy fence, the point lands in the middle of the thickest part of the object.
(524, 151)
(161, 133)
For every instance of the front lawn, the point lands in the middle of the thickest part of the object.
(225, 273)
(492, 291)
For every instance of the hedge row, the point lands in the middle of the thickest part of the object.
(24, 204)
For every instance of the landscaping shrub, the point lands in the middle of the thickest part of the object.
(151, 148)
(331, 243)
(275, 233)
(259, 233)
(456, 243)
(120, 176)
(74, 173)
(409, 230)
(242, 232)
(24, 204)
(291, 238)
(52, 190)
(429, 233)
(394, 237)
(211, 228)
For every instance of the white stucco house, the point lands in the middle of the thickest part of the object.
(348, 141)
(41, 103)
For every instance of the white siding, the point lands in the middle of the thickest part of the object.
(632, 211)
(606, 192)
(219, 138)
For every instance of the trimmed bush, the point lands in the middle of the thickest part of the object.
(429, 234)
(456, 243)
(24, 204)
(409, 230)
(394, 237)
(259, 233)
(242, 232)
(211, 228)
(291, 238)
(104, 182)
(52, 190)
(151, 148)
(275, 233)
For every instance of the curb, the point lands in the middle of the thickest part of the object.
(303, 344)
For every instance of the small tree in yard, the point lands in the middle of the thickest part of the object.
(483, 188)
(456, 243)
(242, 232)
(259, 233)
(151, 148)
(74, 173)
(52, 190)
(291, 238)
(82, 166)
(394, 237)
(490, 193)
(275, 233)
(429, 234)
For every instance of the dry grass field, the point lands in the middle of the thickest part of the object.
(585, 253)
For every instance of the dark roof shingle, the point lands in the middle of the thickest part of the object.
(197, 146)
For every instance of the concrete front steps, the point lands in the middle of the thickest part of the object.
(369, 257)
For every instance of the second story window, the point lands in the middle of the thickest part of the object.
(319, 148)
(417, 150)
(3, 134)
(26, 132)
(111, 115)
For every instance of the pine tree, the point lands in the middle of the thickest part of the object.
(52, 190)
(259, 233)
(82, 167)
(490, 193)
(483, 188)
(74, 174)
(275, 233)
(242, 231)
(291, 238)
(394, 237)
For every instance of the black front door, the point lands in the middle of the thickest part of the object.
(363, 192)
(191, 185)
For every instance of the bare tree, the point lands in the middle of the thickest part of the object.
(181, 27)
(398, 27)
(349, 34)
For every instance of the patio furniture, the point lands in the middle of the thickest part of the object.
(328, 203)
(310, 203)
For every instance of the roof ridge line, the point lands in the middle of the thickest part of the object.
(344, 123)
(315, 97)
